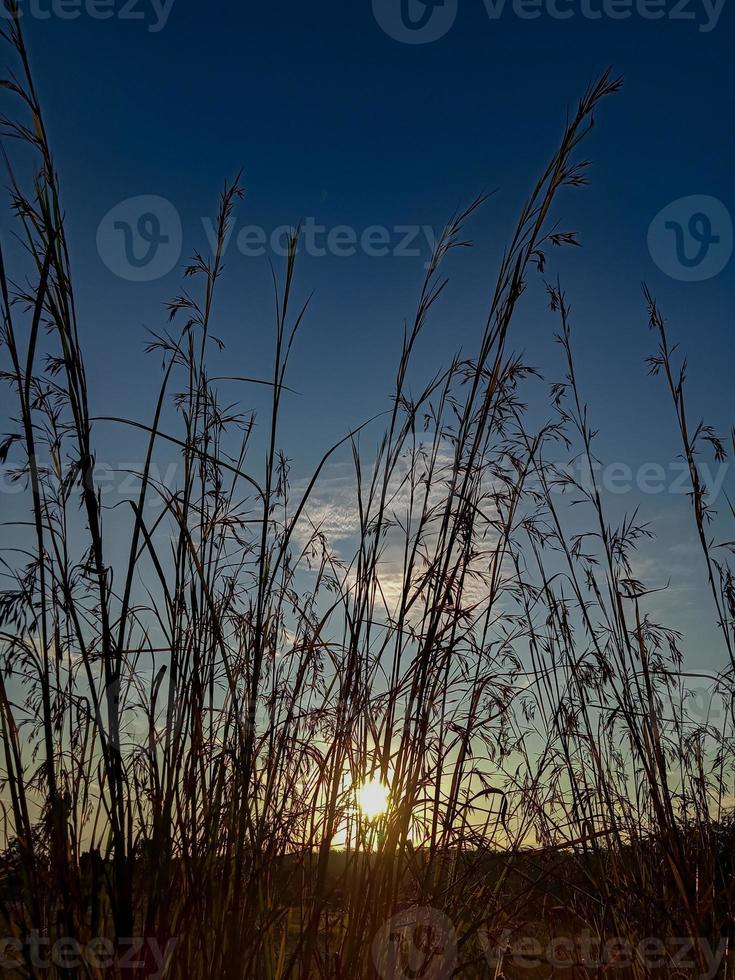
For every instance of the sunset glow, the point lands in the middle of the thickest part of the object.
(372, 798)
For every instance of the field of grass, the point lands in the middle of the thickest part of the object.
(185, 732)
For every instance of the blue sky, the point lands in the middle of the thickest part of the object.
(334, 121)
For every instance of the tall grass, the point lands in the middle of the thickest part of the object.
(183, 733)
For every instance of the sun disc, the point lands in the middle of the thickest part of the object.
(372, 798)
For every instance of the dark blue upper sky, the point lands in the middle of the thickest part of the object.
(336, 122)
(333, 119)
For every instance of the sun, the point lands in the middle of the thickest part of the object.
(372, 798)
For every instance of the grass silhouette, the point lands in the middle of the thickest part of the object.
(184, 733)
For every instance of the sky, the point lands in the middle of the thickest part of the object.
(369, 128)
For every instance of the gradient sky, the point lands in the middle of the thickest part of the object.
(335, 121)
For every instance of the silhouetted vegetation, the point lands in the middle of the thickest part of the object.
(183, 730)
